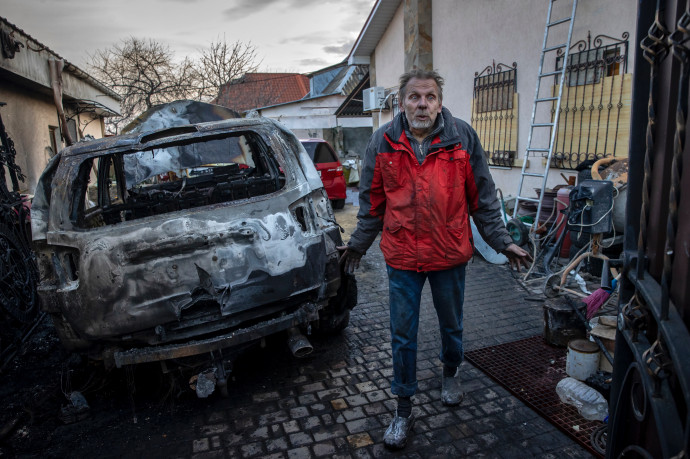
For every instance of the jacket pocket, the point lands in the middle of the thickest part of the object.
(393, 227)
(458, 246)
(450, 167)
(390, 168)
(393, 242)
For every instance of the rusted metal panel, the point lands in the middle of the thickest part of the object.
(307, 313)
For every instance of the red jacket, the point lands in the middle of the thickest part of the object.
(424, 209)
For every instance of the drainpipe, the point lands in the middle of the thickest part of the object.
(56, 66)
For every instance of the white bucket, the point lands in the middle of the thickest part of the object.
(582, 360)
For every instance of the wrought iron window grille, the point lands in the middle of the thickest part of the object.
(494, 112)
(595, 105)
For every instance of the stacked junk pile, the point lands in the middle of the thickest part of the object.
(577, 246)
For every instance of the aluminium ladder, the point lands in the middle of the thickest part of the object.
(543, 107)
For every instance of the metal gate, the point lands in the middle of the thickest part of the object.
(650, 398)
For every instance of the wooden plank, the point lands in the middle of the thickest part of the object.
(498, 129)
(591, 121)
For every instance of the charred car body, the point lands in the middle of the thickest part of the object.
(187, 241)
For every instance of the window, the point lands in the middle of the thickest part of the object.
(72, 128)
(588, 67)
(320, 152)
(494, 91)
(594, 113)
(494, 112)
(174, 177)
(55, 139)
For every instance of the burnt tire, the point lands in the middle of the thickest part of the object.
(335, 317)
(338, 203)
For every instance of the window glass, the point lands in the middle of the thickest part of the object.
(311, 148)
(324, 154)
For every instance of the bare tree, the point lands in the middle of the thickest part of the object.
(221, 63)
(145, 73)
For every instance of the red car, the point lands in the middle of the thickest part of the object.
(330, 169)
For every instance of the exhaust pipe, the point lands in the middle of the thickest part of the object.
(298, 343)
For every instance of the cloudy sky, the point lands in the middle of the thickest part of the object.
(289, 35)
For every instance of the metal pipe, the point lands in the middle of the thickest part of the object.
(298, 343)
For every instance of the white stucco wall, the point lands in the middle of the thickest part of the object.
(470, 35)
(389, 59)
(313, 114)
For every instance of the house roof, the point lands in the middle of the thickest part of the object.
(335, 80)
(353, 104)
(69, 67)
(256, 90)
(380, 16)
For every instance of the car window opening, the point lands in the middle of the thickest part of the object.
(319, 152)
(174, 177)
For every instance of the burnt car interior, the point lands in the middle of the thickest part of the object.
(174, 176)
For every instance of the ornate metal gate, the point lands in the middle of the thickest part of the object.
(650, 399)
(18, 271)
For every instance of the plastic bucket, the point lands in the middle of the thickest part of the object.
(582, 360)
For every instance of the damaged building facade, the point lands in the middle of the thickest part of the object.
(50, 102)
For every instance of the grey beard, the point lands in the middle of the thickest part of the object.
(415, 124)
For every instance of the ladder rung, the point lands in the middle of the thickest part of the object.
(542, 124)
(555, 72)
(538, 149)
(533, 174)
(560, 21)
(546, 99)
(524, 198)
(552, 48)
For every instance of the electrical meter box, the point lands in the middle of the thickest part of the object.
(591, 207)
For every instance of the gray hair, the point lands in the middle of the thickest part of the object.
(421, 75)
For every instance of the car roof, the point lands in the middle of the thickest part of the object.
(140, 140)
(312, 140)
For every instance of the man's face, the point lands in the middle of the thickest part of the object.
(421, 104)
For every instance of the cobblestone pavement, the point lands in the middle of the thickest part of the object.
(336, 402)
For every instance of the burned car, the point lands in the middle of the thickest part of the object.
(187, 241)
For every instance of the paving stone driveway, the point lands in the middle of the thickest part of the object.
(336, 402)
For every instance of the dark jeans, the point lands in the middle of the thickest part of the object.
(405, 291)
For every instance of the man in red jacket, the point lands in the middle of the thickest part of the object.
(424, 174)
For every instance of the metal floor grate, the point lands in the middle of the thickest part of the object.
(530, 369)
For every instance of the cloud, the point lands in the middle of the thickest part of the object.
(309, 38)
(314, 61)
(244, 8)
(343, 48)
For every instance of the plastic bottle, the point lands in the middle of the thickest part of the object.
(589, 403)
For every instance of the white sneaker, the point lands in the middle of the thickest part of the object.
(398, 432)
(451, 392)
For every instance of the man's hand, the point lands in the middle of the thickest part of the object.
(349, 259)
(517, 256)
